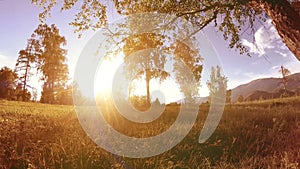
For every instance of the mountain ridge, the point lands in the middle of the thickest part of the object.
(270, 85)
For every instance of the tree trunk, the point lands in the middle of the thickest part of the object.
(25, 80)
(285, 18)
(148, 85)
(283, 80)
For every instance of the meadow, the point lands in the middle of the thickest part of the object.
(259, 134)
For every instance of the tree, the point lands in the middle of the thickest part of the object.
(233, 17)
(27, 60)
(7, 83)
(193, 61)
(284, 72)
(51, 61)
(139, 102)
(217, 83)
(64, 96)
(34, 94)
(148, 63)
(147, 54)
(20, 94)
(228, 96)
(240, 98)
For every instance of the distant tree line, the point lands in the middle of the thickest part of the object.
(43, 56)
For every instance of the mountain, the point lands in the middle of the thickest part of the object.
(266, 88)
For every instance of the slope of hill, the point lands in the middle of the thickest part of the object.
(266, 87)
(258, 95)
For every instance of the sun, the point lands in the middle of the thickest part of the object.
(105, 74)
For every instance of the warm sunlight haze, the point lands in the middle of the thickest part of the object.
(137, 84)
(104, 76)
(106, 72)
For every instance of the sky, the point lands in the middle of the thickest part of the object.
(19, 18)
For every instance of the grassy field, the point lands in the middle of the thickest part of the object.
(263, 134)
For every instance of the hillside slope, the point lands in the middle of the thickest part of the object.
(266, 85)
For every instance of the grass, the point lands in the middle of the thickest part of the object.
(261, 134)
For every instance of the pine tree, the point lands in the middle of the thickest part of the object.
(52, 61)
(27, 60)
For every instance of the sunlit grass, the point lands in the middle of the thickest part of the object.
(250, 135)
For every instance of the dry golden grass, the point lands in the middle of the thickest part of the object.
(262, 134)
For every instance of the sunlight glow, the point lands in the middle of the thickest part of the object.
(105, 74)
(169, 89)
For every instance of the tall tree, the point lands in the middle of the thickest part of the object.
(7, 83)
(228, 96)
(284, 72)
(27, 60)
(148, 63)
(52, 61)
(20, 94)
(153, 63)
(187, 60)
(150, 54)
(232, 17)
(217, 82)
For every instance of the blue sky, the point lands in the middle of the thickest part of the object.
(19, 18)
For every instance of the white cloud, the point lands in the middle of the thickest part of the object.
(266, 37)
(6, 61)
(270, 73)
(293, 66)
(277, 67)
(289, 61)
(246, 77)
(282, 53)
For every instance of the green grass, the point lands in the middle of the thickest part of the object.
(261, 134)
